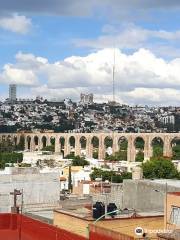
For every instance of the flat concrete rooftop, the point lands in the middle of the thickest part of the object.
(124, 223)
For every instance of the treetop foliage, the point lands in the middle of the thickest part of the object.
(160, 167)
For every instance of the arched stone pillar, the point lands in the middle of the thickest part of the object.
(57, 144)
(77, 146)
(41, 143)
(25, 143)
(66, 145)
(115, 146)
(148, 151)
(131, 150)
(48, 143)
(167, 148)
(18, 138)
(89, 148)
(32, 145)
(101, 150)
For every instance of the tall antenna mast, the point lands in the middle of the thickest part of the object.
(114, 77)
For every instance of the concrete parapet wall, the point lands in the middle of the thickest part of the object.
(37, 188)
(141, 194)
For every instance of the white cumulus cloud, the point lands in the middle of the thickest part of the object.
(140, 77)
(133, 37)
(16, 23)
(11, 74)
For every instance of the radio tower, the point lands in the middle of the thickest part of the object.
(114, 77)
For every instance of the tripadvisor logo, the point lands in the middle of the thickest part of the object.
(139, 231)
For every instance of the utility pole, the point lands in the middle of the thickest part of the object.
(15, 193)
(70, 180)
(166, 202)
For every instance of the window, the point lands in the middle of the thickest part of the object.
(175, 215)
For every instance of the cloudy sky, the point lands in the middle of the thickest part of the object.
(60, 48)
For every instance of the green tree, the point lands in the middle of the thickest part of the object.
(7, 146)
(139, 144)
(10, 157)
(121, 155)
(160, 167)
(110, 175)
(176, 152)
(95, 154)
(124, 145)
(69, 156)
(50, 148)
(20, 145)
(140, 156)
(77, 160)
(108, 142)
(157, 151)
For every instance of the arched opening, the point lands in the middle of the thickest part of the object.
(3, 138)
(123, 146)
(21, 144)
(15, 141)
(62, 144)
(157, 146)
(51, 144)
(7, 144)
(52, 141)
(28, 142)
(36, 142)
(95, 147)
(108, 143)
(83, 141)
(44, 142)
(72, 142)
(9, 139)
(139, 146)
(175, 144)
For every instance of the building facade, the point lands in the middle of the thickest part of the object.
(12, 92)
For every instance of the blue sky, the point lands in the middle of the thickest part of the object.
(38, 40)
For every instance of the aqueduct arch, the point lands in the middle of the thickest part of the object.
(94, 142)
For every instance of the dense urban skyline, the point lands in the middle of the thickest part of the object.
(62, 49)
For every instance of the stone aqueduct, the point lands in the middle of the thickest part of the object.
(36, 141)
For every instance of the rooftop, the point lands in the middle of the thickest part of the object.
(124, 223)
(170, 182)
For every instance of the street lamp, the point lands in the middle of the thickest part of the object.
(166, 191)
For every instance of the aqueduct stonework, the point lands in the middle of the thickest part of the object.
(36, 141)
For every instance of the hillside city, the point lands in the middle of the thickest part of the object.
(53, 170)
(85, 116)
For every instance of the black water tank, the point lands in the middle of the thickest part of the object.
(98, 210)
(112, 207)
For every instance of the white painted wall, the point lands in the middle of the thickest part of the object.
(41, 188)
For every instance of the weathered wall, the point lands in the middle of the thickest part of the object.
(172, 200)
(115, 195)
(71, 223)
(37, 189)
(141, 194)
